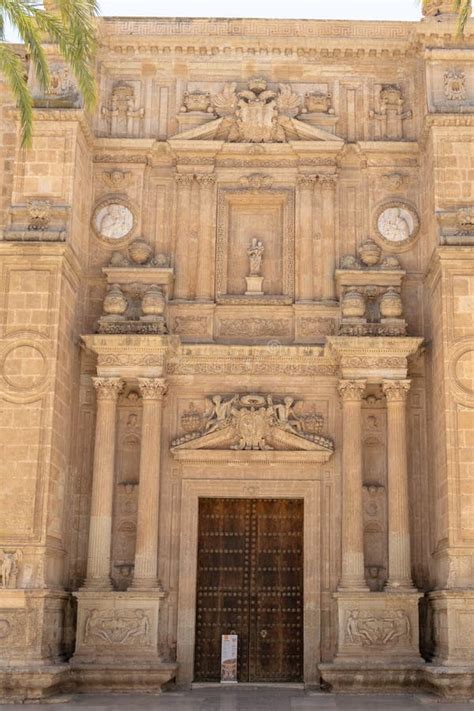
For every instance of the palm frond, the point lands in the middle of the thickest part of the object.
(463, 8)
(21, 15)
(12, 68)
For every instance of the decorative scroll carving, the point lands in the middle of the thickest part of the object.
(122, 109)
(196, 101)
(117, 627)
(390, 113)
(252, 422)
(318, 103)
(256, 181)
(9, 567)
(116, 179)
(369, 629)
(40, 214)
(255, 327)
(454, 83)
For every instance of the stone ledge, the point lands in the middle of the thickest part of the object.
(104, 678)
(363, 677)
(33, 682)
(449, 682)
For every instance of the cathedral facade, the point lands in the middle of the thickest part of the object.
(237, 360)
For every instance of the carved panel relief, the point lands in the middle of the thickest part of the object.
(126, 489)
(374, 496)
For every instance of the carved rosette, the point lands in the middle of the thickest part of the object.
(107, 388)
(152, 388)
(396, 390)
(351, 390)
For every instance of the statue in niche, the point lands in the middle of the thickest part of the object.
(122, 109)
(255, 252)
(9, 567)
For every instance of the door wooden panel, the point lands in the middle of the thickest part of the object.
(250, 581)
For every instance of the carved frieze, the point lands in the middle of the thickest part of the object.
(375, 629)
(117, 627)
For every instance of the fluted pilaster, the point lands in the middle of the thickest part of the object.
(305, 277)
(205, 265)
(146, 549)
(328, 188)
(352, 575)
(184, 184)
(100, 528)
(399, 554)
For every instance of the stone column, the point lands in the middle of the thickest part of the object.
(146, 550)
(399, 559)
(304, 275)
(205, 264)
(328, 186)
(352, 575)
(184, 184)
(100, 527)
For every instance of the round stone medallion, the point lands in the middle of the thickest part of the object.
(396, 224)
(113, 221)
(464, 369)
(24, 367)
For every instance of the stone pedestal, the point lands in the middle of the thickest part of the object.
(117, 642)
(32, 643)
(254, 285)
(377, 642)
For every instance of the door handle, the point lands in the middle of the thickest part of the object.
(263, 633)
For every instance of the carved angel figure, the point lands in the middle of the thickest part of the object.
(9, 566)
(219, 410)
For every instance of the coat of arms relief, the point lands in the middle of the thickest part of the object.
(255, 114)
(252, 422)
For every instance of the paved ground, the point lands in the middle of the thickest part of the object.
(246, 699)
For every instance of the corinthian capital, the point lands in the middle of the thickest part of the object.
(306, 182)
(396, 390)
(327, 180)
(184, 181)
(107, 388)
(351, 390)
(152, 388)
(206, 180)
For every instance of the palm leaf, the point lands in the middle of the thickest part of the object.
(12, 68)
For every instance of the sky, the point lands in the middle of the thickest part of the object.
(309, 9)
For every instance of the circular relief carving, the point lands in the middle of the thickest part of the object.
(4, 628)
(464, 371)
(113, 221)
(24, 367)
(396, 224)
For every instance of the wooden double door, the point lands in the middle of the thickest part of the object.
(250, 582)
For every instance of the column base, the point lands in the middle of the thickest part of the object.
(144, 584)
(117, 642)
(32, 649)
(364, 677)
(98, 585)
(377, 627)
(453, 627)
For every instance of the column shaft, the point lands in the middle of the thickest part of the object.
(352, 575)
(399, 556)
(146, 549)
(100, 528)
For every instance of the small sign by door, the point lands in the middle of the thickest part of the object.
(229, 659)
